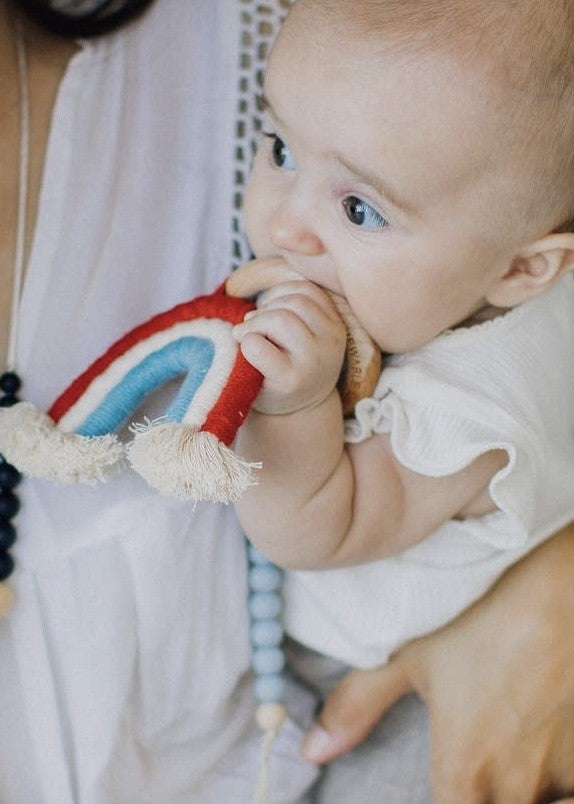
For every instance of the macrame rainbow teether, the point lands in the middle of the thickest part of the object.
(186, 453)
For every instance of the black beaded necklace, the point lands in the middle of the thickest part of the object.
(10, 382)
(9, 479)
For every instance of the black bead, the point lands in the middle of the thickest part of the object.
(6, 565)
(7, 534)
(10, 382)
(9, 504)
(8, 400)
(9, 476)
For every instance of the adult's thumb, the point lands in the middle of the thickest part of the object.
(353, 708)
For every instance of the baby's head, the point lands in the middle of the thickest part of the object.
(420, 157)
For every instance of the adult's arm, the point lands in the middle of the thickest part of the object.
(499, 686)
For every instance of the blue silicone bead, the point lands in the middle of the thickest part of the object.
(264, 578)
(255, 556)
(269, 688)
(268, 660)
(265, 605)
(266, 634)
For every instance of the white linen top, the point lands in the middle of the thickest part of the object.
(124, 662)
(505, 384)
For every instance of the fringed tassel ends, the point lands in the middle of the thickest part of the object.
(31, 441)
(184, 462)
(177, 460)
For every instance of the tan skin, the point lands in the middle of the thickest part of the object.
(47, 58)
(354, 708)
(499, 686)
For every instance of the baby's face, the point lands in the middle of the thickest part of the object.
(384, 178)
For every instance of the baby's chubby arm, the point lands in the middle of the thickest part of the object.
(322, 503)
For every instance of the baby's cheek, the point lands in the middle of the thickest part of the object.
(249, 222)
(256, 231)
(256, 216)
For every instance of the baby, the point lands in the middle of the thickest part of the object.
(418, 160)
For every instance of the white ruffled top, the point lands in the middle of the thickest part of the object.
(505, 384)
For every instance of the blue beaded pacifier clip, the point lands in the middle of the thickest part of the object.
(267, 657)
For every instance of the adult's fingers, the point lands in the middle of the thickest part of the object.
(353, 709)
(490, 773)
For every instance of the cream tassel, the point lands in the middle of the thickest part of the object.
(31, 441)
(181, 461)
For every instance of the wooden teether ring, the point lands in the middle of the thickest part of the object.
(362, 365)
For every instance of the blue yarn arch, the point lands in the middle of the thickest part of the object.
(189, 355)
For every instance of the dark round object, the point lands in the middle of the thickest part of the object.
(7, 534)
(10, 382)
(69, 19)
(9, 476)
(6, 565)
(8, 400)
(9, 504)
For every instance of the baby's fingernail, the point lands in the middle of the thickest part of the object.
(249, 315)
(319, 744)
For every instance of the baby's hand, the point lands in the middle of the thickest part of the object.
(296, 339)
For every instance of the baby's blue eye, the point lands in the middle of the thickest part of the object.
(280, 153)
(362, 214)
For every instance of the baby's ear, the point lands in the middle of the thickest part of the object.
(534, 269)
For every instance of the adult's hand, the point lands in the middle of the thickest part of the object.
(499, 686)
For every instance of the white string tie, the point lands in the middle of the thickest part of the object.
(20, 246)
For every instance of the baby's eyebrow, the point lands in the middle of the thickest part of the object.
(380, 185)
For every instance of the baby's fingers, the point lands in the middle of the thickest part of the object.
(317, 314)
(300, 368)
(285, 330)
(264, 355)
(270, 338)
(301, 289)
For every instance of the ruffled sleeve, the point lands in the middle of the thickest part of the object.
(437, 429)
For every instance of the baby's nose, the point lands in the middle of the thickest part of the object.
(290, 231)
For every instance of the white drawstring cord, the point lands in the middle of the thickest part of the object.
(20, 246)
